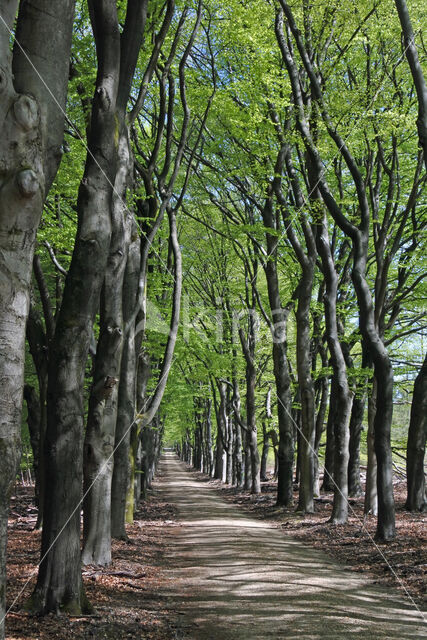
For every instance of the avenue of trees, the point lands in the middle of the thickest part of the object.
(212, 233)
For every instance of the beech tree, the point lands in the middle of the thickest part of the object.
(360, 238)
(59, 583)
(417, 436)
(411, 52)
(252, 185)
(33, 81)
(103, 405)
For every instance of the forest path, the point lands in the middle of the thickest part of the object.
(234, 577)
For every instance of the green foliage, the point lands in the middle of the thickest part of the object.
(367, 89)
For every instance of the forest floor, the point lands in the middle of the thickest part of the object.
(401, 563)
(200, 549)
(128, 596)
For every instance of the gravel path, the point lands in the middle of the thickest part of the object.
(234, 577)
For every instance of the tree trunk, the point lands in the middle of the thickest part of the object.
(285, 455)
(319, 429)
(229, 438)
(296, 417)
(265, 451)
(238, 454)
(59, 583)
(248, 346)
(21, 198)
(34, 428)
(305, 382)
(360, 240)
(415, 452)
(197, 460)
(103, 402)
(209, 446)
(247, 483)
(31, 129)
(344, 397)
(252, 428)
(39, 348)
(219, 457)
(356, 427)
(136, 431)
(328, 472)
(371, 495)
(126, 393)
(229, 472)
(416, 71)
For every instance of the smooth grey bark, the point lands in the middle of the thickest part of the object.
(296, 417)
(356, 428)
(34, 427)
(21, 198)
(328, 472)
(229, 452)
(219, 457)
(322, 393)
(278, 327)
(371, 492)
(359, 236)
(127, 390)
(128, 441)
(208, 437)
(39, 339)
(307, 259)
(416, 446)
(103, 403)
(248, 347)
(221, 453)
(384, 379)
(238, 476)
(344, 396)
(238, 454)
(140, 436)
(416, 71)
(321, 382)
(197, 459)
(59, 583)
(150, 441)
(31, 132)
(306, 255)
(102, 416)
(247, 462)
(305, 382)
(264, 452)
(39, 348)
(41, 59)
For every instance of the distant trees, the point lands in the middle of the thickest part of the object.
(246, 222)
(339, 200)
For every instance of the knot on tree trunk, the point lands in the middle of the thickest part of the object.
(104, 388)
(27, 183)
(26, 112)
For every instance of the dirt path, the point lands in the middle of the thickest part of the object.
(234, 577)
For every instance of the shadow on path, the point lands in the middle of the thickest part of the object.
(234, 577)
